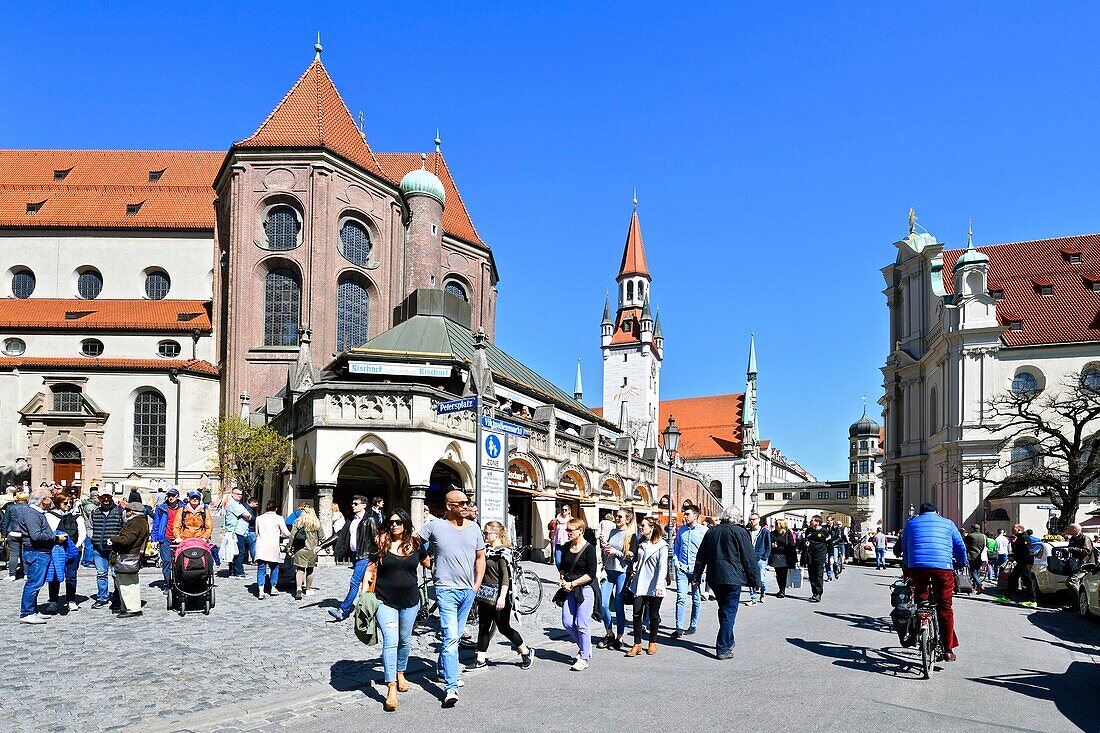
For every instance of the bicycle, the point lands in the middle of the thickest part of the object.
(929, 638)
(526, 585)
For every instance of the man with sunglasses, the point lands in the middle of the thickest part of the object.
(458, 566)
(355, 541)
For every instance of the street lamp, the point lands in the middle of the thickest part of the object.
(754, 496)
(671, 435)
(744, 479)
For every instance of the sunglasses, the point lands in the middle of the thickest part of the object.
(396, 522)
(458, 503)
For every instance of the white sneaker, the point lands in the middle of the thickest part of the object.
(310, 591)
(73, 606)
(451, 699)
(580, 665)
(34, 618)
(274, 592)
(261, 596)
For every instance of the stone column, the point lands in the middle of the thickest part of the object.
(416, 504)
(542, 512)
(324, 513)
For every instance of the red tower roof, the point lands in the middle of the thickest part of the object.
(634, 253)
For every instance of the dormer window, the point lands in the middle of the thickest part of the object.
(133, 209)
(1043, 286)
(1046, 290)
(61, 174)
(33, 207)
(1072, 255)
(1015, 325)
(997, 294)
(154, 176)
(1092, 281)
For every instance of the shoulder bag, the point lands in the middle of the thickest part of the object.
(489, 592)
(562, 593)
(128, 563)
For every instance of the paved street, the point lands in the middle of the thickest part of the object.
(276, 664)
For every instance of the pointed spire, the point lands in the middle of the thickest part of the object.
(607, 310)
(752, 355)
(438, 141)
(970, 235)
(635, 198)
(634, 253)
(305, 375)
(647, 314)
(317, 46)
(865, 406)
(657, 333)
(578, 389)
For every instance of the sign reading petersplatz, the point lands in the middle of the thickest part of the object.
(492, 483)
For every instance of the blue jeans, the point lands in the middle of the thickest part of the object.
(357, 574)
(395, 625)
(262, 567)
(557, 556)
(454, 609)
(683, 588)
(102, 571)
(242, 550)
(86, 554)
(615, 582)
(880, 558)
(35, 563)
(729, 598)
(755, 593)
(165, 550)
(1001, 560)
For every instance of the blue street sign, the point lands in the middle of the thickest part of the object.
(492, 446)
(466, 403)
(492, 423)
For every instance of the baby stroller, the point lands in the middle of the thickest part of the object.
(192, 576)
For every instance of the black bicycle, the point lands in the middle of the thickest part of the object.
(929, 638)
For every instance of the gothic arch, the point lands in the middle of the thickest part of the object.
(530, 465)
(575, 475)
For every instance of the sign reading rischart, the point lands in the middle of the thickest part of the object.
(398, 370)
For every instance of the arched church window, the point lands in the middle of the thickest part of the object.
(22, 284)
(352, 313)
(355, 242)
(89, 284)
(282, 227)
(1024, 383)
(455, 288)
(150, 421)
(282, 299)
(1024, 458)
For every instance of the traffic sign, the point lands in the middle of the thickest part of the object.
(491, 423)
(462, 405)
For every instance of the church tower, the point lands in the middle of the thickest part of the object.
(633, 345)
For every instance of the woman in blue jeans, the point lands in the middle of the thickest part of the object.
(393, 575)
(618, 553)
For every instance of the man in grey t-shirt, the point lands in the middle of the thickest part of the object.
(458, 566)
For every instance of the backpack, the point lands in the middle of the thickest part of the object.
(299, 540)
(904, 612)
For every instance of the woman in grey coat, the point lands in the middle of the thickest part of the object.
(647, 585)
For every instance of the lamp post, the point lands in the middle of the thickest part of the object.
(671, 435)
(744, 479)
(754, 496)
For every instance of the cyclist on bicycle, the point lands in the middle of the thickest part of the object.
(931, 548)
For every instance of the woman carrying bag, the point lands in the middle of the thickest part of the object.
(577, 569)
(495, 600)
(647, 584)
(305, 535)
(392, 573)
(784, 555)
(126, 548)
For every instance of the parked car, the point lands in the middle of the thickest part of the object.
(865, 550)
(1088, 597)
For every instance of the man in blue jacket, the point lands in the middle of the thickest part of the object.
(931, 549)
(38, 541)
(163, 531)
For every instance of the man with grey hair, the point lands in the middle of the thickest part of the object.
(38, 541)
(1081, 552)
(727, 557)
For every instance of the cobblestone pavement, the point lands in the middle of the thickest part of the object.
(277, 664)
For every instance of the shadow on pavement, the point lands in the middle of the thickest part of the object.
(878, 661)
(860, 621)
(1073, 692)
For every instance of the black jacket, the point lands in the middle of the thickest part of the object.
(365, 541)
(727, 556)
(1020, 547)
(784, 550)
(817, 544)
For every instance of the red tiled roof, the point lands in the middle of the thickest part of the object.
(1071, 314)
(105, 315)
(313, 115)
(765, 444)
(634, 334)
(710, 427)
(456, 219)
(634, 252)
(193, 366)
(100, 184)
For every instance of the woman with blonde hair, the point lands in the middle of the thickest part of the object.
(495, 599)
(577, 568)
(784, 555)
(647, 585)
(305, 535)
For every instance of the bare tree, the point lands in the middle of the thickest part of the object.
(244, 453)
(1049, 437)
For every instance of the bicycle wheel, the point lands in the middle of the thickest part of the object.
(528, 593)
(927, 647)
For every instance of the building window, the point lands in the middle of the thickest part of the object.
(788, 495)
(1094, 285)
(1045, 289)
(769, 496)
(1015, 325)
(150, 420)
(66, 398)
(1090, 377)
(168, 349)
(133, 209)
(455, 288)
(864, 465)
(842, 494)
(157, 284)
(33, 207)
(91, 347)
(1025, 383)
(22, 284)
(15, 347)
(863, 445)
(997, 294)
(61, 175)
(853, 467)
(804, 495)
(823, 495)
(630, 290)
(1024, 458)
(864, 489)
(352, 314)
(282, 228)
(154, 176)
(89, 284)
(355, 243)
(282, 296)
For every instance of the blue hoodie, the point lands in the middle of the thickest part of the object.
(931, 541)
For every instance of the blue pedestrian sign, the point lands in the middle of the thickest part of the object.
(492, 446)
(462, 405)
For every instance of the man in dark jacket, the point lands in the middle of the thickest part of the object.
(38, 542)
(727, 557)
(976, 543)
(105, 521)
(356, 542)
(1081, 552)
(817, 544)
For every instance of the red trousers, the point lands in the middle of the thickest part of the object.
(943, 591)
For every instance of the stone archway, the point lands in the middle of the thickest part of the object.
(372, 475)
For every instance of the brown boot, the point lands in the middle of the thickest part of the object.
(634, 650)
(402, 683)
(391, 697)
(652, 649)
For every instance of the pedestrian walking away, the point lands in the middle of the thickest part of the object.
(727, 557)
(305, 536)
(270, 531)
(647, 585)
(618, 557)
(457, 552)
(685, 549)
(816, 548)
(13, 536)
(976, 558)
(761, 538)
(126, 554)
(1003, 548)
(577, 570)
(495, 599)
(784, 555)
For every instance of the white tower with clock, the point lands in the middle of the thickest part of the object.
(632, 345)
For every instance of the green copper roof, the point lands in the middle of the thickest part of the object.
(425, 182)
(440, 338)
(607, 311)
(752, 354)
(578, 388)
(971, 257)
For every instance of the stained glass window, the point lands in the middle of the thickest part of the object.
(282, 296)
(352, 314)
(150, 420)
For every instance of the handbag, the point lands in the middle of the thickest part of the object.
(794, 578)
(488, 593)
(128, 563)
(964, 583)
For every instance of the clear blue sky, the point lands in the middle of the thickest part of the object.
(776, 151)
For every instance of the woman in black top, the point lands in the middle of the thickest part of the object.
(1022, 552)
(495, 599)
(784, 555)
(393, 570)
(577, 569)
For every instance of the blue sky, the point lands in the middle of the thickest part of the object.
(776, 150)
